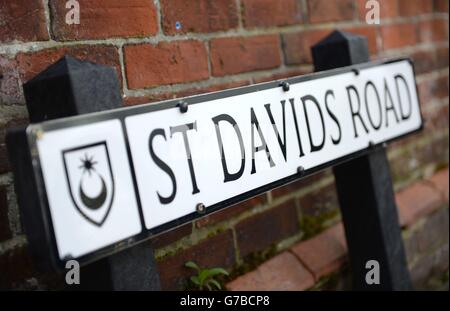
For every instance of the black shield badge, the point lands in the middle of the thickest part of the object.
(90, 181)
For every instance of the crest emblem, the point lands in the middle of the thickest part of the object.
(90, 181)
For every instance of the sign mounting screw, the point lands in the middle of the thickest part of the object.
(201, 208)
(285, 85)
(183, 106)
(356, 71)
(300, 170)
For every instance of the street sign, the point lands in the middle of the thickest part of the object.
(111, 179)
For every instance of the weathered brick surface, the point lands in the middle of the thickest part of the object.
(5, 232)
(434, 232)
(171, 236)
(388, 9)
(180, 16)
(32, 63)
(440, 182)
(105, 19)
(441, 6)
(322, 200)
(434, 30)
(398, 35)
(297, 45)
(414, 7)
(165, 63)
(9, 83)
(324, 253)
(281, 273)
(22, 20)
(429, 60)
(129, 101)
(433, 89)
(236, 54)
(284, 75)
(266, 13)
(300, 184)
(321, 11)
(15, 267)
(217, 251)
(231, 211)
(416, 201)
(258, 232)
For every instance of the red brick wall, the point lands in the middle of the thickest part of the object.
(219, 44)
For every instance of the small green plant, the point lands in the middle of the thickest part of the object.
(206, 278)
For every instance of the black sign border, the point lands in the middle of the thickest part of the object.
(45, 231)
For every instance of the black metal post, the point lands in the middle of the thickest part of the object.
(364, 187)
(73, 87)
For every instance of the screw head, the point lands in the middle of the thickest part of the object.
(356, 71)
(371, 144)
(201, 208)
(300, 170)
(285, 85)
(183, 106)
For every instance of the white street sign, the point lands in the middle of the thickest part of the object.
(136, 171)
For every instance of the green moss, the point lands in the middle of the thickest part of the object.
(333, 281)
(312, 225)
(252, 261)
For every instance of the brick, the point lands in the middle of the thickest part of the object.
(105, 19)
(281, 273)
(165, 63)
(32, 63)
(437, 119)
(229, 212)
(433, 30)
(440, 182)
(398, 35)
(442, 57)
(424, 61)
(297, 45)
(217, 251)
(319, 201)
(171, 236)
(322, 11)
(440, 6)
(440, 264)
(370, 32)
(414, 7)
(388, 9)
(261, 230)
(5, 232)
(266, 13)
(239, 54)
(198, 15)
(433, 89)
(10, 92)
(283, 75)
(4, 161)
(434, 232)
(324, 253)
(416, 201)
(22, 20)
(130, 101)
(300, 184)
(15, 267)
(421, 272)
